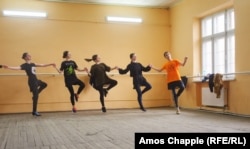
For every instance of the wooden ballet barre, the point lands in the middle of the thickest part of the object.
(146, 73)
(24, 74)
(54, 74)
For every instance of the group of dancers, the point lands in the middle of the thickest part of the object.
(99, 79)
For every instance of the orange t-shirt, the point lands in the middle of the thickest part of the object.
(171, 68)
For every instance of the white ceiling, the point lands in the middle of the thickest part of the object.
(134, 3)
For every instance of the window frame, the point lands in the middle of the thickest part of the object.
(209, 35)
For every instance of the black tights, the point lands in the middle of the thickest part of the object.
(101, 89)
(71, 90)
(176, 95)
(35, 91)
(140, 92)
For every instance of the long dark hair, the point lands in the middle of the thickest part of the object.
(94, 57)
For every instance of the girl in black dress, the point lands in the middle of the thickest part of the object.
(99, 78)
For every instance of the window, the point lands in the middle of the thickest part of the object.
(218, 43)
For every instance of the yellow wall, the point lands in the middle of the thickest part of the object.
(83, 31)
(185, 42)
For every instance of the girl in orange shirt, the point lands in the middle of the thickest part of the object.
(173, 77)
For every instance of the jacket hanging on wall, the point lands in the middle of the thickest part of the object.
(218, 84)
(211, 82)
(210, 78)
(215, 83)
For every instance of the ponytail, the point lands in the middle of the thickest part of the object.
(88, 59)
(94, 57)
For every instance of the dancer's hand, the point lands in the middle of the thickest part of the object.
(54, 65)
(85, 69)
(4, 66)
(59, 71)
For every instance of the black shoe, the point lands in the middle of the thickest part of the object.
(76, 97)
(103, 109)
(36, 114)
(142, 108)
(105, 92)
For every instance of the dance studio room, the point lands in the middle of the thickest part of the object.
(114, 74)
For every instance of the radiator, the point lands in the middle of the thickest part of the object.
(209, 98)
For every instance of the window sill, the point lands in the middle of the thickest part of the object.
(200, 80)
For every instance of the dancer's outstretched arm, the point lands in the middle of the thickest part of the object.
(156, 69)
(11, 67)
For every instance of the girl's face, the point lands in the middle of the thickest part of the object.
(28, 57)
(98, 59)
(69, 55)
(167, 55)
(133, 57)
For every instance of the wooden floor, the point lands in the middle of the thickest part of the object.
(112, 130)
